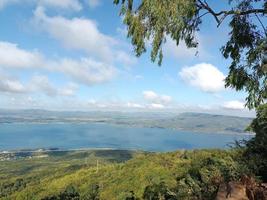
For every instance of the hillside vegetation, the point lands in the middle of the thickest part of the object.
(111, 174)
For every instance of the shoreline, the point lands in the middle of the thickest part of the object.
(47, 150)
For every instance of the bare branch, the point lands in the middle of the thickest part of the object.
(264, 29)
(205, 6)
(220, 16)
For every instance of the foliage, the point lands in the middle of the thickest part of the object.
(155, 20)
(93, 193)
(7, 188)
(173, 175)
(204, 177)
(157, 192)
(70, 193)
(131, 196)
(256, 153)
(201, 181)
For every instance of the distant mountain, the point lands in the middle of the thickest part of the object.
(192, 122)
(200, 122)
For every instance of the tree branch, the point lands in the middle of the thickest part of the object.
(264, 29)
(220, 16)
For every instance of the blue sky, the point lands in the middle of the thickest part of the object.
(74, 55)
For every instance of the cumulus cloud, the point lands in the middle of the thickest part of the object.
(150, 95)
(69, 90)
(134, 105)
(83, 34)
(118, 105)
(153, 97)
(62, 4)
(121, 105)
(10, 85)
(234, 105)
(40, 83)
(13, 56)
(37, 84)
(156, 106)
(84, 70)
(205, 77)
(76, 33)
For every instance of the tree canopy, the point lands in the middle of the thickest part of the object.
(154, 20)
(256, 152)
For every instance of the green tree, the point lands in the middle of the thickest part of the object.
(70, 193)
(205, 175)
(158, 192)
(51, 198)
(154, 20)
(93, 193)
(131, 196)
(256, 152)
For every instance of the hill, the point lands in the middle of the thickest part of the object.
(192, 122)
(200, 122)
(115, 174)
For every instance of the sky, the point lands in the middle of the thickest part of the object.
(75, 55)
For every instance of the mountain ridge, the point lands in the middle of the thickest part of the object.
(188, 121)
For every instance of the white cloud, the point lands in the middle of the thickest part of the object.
(37, 84)
(234, 105)
(150, 95)
(10, 85)
(12, 56)
(156, 106)
(62, 4)
(83, 34)
(165, 98)
(40, 83)
(69, 90)
(84, 70)
(123, 106)
(204, 76)
(156, 98)
(94, 3)
(77, 33)
(134, 105)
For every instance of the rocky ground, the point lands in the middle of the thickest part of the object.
(246, 189)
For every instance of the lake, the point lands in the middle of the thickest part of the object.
(98, 135)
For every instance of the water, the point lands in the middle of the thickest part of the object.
(76, 136)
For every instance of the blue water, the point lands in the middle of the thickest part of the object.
(76, 136)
